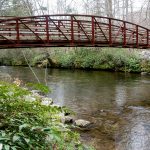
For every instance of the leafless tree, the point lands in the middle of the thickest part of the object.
(16, 8)
(108, 8)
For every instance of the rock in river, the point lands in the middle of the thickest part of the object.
(82, 123)
(67, 119)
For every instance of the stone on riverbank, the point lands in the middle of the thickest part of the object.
(46, 101)
(29, 98)
(36, 94)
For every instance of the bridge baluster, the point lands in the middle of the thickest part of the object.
(147, 37)
(124, 33)
(110, 31)
(93, 30)
(17, 30)
(137, 36)
(72, 31)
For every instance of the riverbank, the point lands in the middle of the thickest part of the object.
(102, 59)
(29, 120)
(110, 59)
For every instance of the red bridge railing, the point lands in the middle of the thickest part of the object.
(71, 31)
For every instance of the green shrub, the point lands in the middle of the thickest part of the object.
(29, 125)
(67, 61)
(38, 58)
(88, 61)
(145, 65)
(133, 65)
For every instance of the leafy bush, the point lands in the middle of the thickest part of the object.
(133, 65)
(39, 58)
(29, 125)
(88, 61)
(67, 61)
(106, 59)
(145, 65)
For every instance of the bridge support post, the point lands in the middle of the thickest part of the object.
(72, 31)
(93, 30)
(17, 30)
(124, 33)
(47, 29)
(148, 37)
(137, 36)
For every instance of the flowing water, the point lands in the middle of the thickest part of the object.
(97, 95)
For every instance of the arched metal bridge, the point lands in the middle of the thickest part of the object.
(71, 31)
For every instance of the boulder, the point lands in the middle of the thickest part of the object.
(144, 73)
(5, 77)
(29, 98)
(67, 119)
(55, 105)
(35, 92)
(82, 123)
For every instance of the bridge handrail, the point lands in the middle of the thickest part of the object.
(77, 15)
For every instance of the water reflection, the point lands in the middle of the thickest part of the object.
(60, 92)
(121, 95)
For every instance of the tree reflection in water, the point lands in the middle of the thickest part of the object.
(136, 134)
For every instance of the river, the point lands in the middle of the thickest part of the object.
(121, 100)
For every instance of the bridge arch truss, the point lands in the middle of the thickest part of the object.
(71, 31)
